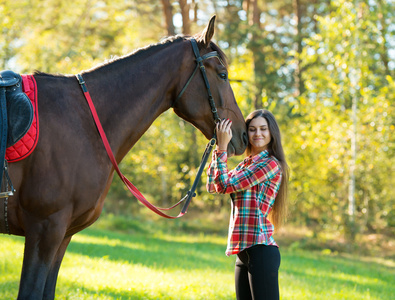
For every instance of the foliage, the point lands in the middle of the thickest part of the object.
(307, 63)
(344, 70)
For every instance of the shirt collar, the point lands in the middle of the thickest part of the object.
(257, 157)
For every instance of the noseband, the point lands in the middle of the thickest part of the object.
(199, 64)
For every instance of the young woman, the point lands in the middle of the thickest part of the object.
(258, 188)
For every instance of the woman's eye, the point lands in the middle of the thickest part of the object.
(223, 76)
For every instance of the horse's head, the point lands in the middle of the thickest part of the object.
(193, 103)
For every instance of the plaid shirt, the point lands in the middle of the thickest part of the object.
(253, 186)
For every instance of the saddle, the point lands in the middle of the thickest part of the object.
(16, 115)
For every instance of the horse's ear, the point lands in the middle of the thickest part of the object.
(207, 33)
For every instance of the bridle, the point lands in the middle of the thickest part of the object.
(199, 64)
(191, 193)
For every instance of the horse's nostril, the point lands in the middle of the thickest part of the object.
(245, 138)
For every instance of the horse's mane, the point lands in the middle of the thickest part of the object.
(37, 72)
(143, 52)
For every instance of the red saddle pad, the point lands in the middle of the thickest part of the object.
(25, 146)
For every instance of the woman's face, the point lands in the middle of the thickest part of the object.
(258, 135)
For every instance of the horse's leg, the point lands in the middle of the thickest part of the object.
(50, 285)
(42, 242)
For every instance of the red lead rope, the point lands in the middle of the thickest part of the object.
(129, 185)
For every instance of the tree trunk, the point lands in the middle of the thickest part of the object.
(246, 7)
(351, 186)
(258, 55)
(186, 22)
(298, 72)
(256, 13)
(383, 31)
(164, 186)
(195, 10)
(168, 13)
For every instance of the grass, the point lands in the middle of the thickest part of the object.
(155, 260)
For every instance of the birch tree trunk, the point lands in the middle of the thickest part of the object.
(299, 48)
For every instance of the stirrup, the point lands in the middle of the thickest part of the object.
(7, 183)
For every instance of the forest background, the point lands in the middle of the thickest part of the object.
(325, 68)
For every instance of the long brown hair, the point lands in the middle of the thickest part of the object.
(275, 148)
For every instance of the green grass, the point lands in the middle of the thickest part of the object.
(149, 262)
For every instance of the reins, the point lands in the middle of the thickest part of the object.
(191, 193)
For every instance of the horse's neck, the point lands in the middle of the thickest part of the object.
(130, 98)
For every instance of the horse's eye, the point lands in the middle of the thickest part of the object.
(223, 76)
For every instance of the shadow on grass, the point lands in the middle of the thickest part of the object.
(334, 275)
(153, 252)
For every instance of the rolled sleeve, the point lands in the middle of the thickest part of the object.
(217, 168)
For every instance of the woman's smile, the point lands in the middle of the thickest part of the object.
(259, 135)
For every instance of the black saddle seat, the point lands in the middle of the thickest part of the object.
(19, 107)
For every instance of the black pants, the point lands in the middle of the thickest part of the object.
(256, 273)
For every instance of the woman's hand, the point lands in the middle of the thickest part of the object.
(224, 134)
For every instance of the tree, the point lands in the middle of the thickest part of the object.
(343, 88)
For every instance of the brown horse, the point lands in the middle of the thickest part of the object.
(61, 186)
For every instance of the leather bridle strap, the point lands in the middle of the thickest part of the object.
(199, 64)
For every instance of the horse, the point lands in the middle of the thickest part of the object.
(62, 185)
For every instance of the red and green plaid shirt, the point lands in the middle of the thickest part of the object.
(253, 186)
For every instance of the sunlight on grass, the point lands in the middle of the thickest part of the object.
(11, 255)
(132, 270)
(86, 239)
(102, 264)
(130, 281)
